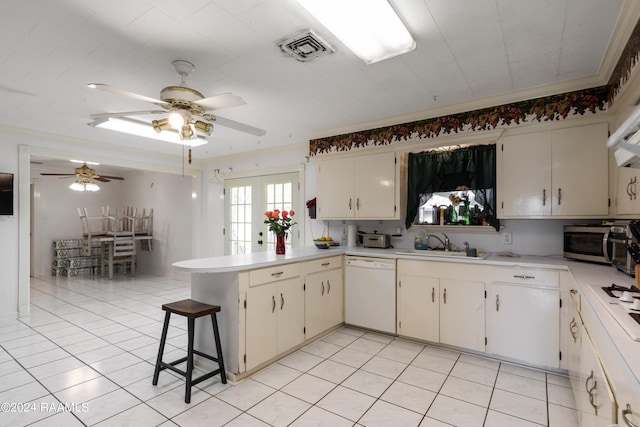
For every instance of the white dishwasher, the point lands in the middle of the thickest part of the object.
(370, 293)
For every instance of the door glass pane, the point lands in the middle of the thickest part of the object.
(240, 226)
(278, 196)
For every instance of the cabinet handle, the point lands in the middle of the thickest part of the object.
(277, 274)
(349, 203)
(433, 295)
(592, 399)
(328, 287)
(544, 197)
(559, 196)
(497, 302)
(523, 276)
(358, 203)
(625, 416)
(326, 264)
(322, 293)
(573, 291)
(444, 295)
(273, 308)
(281, 301)
(573, 328)
(631, 188)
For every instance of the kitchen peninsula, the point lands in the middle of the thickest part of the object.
(265, 310)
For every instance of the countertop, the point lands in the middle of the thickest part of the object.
(584, 275)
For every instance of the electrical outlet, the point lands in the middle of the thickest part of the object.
(507, 238)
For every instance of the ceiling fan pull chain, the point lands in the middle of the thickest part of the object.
(189, 155)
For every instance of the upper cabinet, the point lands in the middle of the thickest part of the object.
(360, 186)
(559, 173)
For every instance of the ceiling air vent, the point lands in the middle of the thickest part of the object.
(305, 46)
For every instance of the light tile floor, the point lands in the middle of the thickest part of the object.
(85, 356)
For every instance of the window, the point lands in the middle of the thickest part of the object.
(464, 172)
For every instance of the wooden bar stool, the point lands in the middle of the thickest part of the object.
(191, 310)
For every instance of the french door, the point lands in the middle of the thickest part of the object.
(246, 201)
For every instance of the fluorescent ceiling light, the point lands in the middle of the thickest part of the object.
(370, 28)
(140, 128)
(83, 161)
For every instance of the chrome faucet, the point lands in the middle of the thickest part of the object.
(447, 243)
(443, 243)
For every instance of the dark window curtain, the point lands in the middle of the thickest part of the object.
(438, 171)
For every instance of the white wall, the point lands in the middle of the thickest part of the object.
(9, 235)
(170, 197)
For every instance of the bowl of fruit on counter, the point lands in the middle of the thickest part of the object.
(324, 242)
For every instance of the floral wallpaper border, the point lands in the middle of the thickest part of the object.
(554, 107)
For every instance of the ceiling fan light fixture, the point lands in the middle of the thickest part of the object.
(160, 125)
(204, 127)
(370, 28)
(187, 131)
(83, 184)
(176, 120)
(144, 129)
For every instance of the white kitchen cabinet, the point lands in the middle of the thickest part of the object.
(560, 173)
(523, 315)
(323, 295)
(627, 202)
(511, 329)
(418, 307)
(437, 303)
(357, 186)
(274, 313)
(462, 313)
(595, 401)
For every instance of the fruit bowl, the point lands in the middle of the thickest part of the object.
(322, 244)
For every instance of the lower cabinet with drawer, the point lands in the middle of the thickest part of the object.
(323, 295)
(523, 316)
(274, 312)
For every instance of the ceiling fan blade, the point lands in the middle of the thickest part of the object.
(232, 124)
(58, 174)
(101, 179)
(122, 92)
(127, 113)
(109, 177)
(224, 100)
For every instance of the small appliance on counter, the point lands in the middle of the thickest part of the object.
(375, 240)
(616, 243)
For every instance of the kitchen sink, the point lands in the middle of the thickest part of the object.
(440, 253)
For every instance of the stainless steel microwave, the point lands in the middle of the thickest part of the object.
(588, 242)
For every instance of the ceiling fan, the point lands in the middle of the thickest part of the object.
(188, 110)
(85, 173)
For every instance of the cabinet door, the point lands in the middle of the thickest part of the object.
(335, 188)
(523, 323)
(418, 307)
(580, 171)
(525, 181)
(290, 309)
(627, 191)
(314, 304)
(334, 298)
(375, 186)
(596, 403)
(261, 328)
(462, 313)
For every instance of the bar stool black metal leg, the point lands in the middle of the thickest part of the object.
(216, 336)
(163, 340)
(190, 332)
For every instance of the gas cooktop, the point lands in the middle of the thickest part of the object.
(621, 310)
